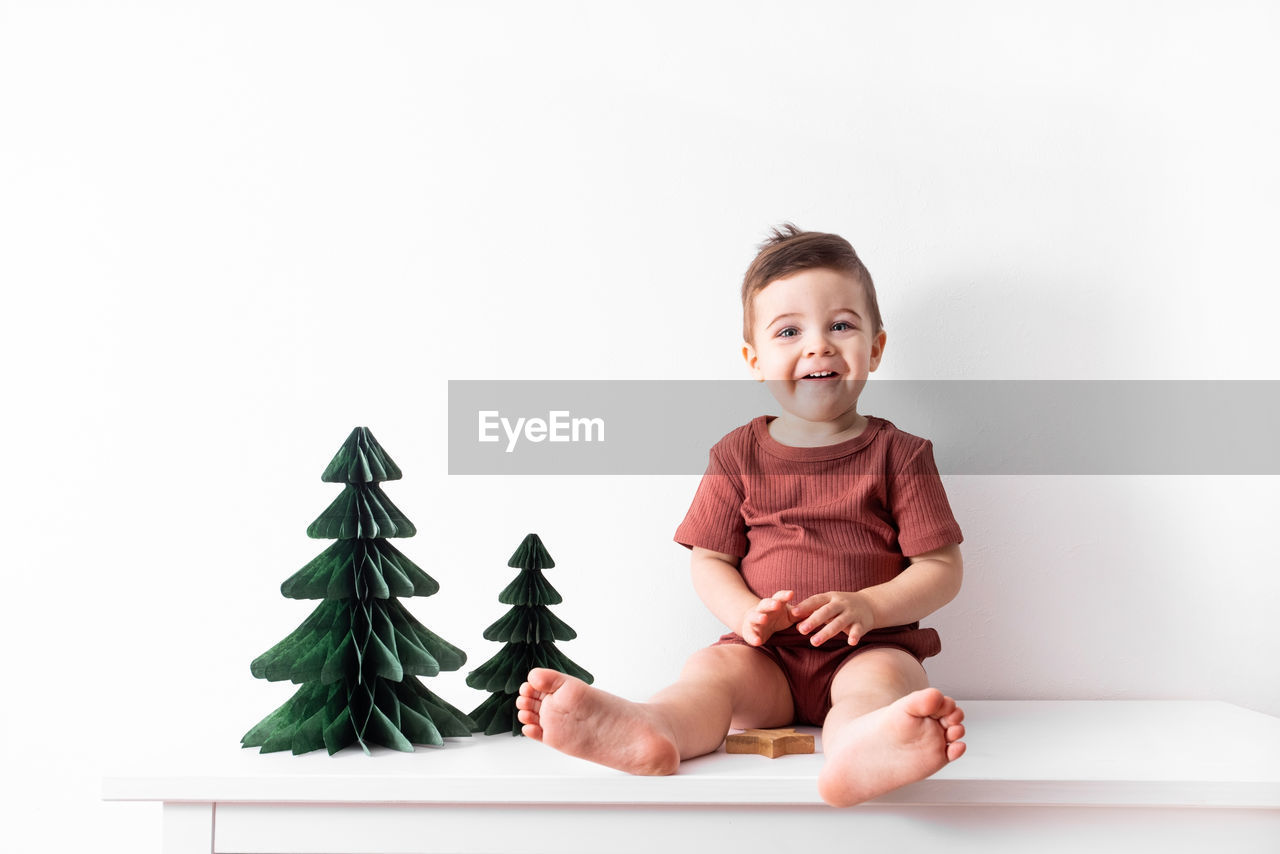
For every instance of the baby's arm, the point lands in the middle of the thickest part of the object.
(721, 588)
(931, 581)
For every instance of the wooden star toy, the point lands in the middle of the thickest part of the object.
(769, 742)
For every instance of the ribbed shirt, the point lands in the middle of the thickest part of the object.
(833, 518)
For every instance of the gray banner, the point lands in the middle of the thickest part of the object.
(1003, 427)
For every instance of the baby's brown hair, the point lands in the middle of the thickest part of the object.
(789, 250)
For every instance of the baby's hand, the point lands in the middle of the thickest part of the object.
(771, 615)
(835, 613)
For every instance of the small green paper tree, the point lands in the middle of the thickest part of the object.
(529, 631)
(359, 652)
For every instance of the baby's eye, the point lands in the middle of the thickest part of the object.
(788, 332)
(842, 326)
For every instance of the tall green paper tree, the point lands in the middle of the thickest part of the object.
(358, 655)
(529, 631)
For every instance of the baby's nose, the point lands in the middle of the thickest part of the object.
(818, 344)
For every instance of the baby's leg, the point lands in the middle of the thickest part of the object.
(886, 728)
(720, 686)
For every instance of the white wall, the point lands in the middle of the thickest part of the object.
(232, 231)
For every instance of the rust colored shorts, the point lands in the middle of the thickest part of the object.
(810, 670)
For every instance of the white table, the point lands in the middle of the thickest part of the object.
(1038, 775)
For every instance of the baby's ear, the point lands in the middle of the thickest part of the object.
(752, 360)
(877, 349)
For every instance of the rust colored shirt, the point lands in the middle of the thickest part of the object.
(813, 520)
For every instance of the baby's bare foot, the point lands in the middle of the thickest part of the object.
(574, 718)
(901, 743)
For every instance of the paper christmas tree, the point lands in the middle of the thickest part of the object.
(529, 631)
(357, 655)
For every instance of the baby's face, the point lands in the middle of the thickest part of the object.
(813, 344)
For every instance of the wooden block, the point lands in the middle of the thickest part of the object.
(769, 742)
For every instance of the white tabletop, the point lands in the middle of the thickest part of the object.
(1152, 753)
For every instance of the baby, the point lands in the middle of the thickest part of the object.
(820, 537)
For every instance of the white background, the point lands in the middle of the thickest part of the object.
(230, 232)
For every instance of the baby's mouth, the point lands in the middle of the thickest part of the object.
(821, 375)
